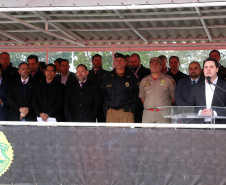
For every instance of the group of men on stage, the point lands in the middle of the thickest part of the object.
(127, 94)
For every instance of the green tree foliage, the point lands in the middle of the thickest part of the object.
(18, 57)
(76, 58)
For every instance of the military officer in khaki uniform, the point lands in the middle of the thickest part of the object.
(156, 90)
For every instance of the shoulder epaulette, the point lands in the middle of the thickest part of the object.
(170, 77)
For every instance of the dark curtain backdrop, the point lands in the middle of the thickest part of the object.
(115, 156)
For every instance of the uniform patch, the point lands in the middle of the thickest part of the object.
(171, 79)
(147, 84)
(163, 83)
(110, 85)
(6, 154)
(127, 84)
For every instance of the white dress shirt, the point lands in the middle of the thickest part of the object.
(209, 92)
(22, 80)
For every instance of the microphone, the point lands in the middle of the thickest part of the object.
(208, 80)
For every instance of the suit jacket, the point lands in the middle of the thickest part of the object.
(71, 78)
(222, 72)
(82, 104)
(48, 98)
(16, 100)
(198, 97)
(3, 92)
(183, 91)
(38, 77)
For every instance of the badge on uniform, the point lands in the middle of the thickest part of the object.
(110, 85)
(147, 84)
(127, 84)
(162, 82)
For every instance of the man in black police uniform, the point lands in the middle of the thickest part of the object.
(120, 88)
(48, 96)
(20, 96)
(174, 71)
(140, 71)
(82, 98)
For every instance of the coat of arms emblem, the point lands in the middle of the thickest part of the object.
(6, 154)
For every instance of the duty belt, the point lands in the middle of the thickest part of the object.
(155, 109)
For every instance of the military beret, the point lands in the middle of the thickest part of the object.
(120, 55)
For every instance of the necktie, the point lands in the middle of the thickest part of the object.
(24, 82)
(193, 82)
(82, 84)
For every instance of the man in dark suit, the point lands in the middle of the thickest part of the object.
(8, 71)
(140, 71)
(20, 96)
(164, 63)
(65, 77)
(222, 70)
(4, 108)
(174, 72)
(96, 74)
(36, 74)
(184, 86)
(82, 98)
(48, 96)
(137, 67)
(205, 94)
(57, 64)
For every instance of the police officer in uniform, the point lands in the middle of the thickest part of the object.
(120, 88)
(156, 90)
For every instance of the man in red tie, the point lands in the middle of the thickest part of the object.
(20, 96)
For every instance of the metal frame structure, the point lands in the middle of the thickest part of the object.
(38, 26)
